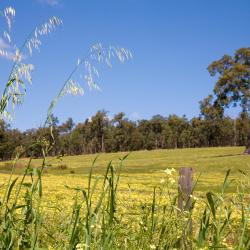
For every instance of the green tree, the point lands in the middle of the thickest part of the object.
(233, 84)
(242, 128)
(99, 124)
(123, 132)
(157, 124)
(178, 125)
(145, 129)
(212, 115)
(67, 126)
(197, 136)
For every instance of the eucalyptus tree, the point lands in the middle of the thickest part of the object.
(123, 130)
(212, 115)
(197, 137)
(232, 87)
(99, 126)
(67, 126)
(157, 124)
(178, 125)
(242, 128)
(148, 137)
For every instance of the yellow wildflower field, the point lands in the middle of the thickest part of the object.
(140, 173)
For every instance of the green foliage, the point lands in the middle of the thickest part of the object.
(233, 84)
(20, 217)
(102, 134)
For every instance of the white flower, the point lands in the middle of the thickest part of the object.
(194, 197)
(172, 181)
(169, 171)
(79, 246)
(162, 181)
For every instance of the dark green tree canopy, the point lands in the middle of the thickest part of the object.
(233, 84)
(210, 110)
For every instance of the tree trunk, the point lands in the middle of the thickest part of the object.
(247, 150)
(156, 143)
(103, 148)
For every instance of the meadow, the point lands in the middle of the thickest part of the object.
(71, 191)
(144, 169)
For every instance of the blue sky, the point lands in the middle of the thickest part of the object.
(172, 42)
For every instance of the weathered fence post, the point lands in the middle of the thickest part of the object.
(185, 188)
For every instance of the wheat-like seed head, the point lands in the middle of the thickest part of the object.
(86, 70)
(72, 88)
(21, 73)
(98, 54)
(9, 14)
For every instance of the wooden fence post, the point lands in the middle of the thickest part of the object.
(185, 188)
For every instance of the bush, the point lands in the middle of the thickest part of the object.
(62, 167)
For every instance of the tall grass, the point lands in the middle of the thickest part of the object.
(219, 220)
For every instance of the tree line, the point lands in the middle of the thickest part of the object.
(102, 134)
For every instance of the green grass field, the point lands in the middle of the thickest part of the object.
(144, 169)
(141, 173)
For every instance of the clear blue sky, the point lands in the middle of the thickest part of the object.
(172, 42)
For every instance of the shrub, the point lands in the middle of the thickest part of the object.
(62, 167)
